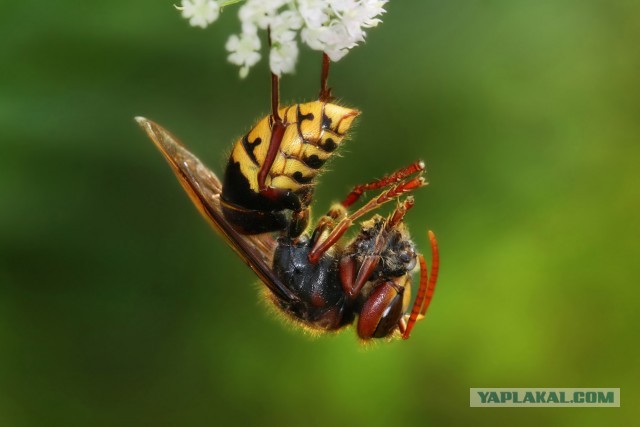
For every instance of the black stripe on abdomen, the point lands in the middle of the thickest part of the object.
(301, 179)
(328, 146)
(313, 161)
(250, 146)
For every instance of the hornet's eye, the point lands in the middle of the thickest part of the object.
(407, 256)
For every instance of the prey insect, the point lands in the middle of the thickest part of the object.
(262, 209)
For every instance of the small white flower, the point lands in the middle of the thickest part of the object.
(259, 12)
(315, 37)
(331, 26)
(336, 40)
(283, 57)
(244, 51)
(200, 13)
(287, 21)
(249, 28)
(352, 20)
(314, 12)
(371, 9)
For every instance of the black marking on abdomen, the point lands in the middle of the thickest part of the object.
(301, 118)
(326, 121)
(250, 146)
(313, 161)
(329, 145)
(301, 179)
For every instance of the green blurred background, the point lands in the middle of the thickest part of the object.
(119, 305)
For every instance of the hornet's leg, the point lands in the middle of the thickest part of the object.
(291, 200)
(425, 291)
(300, 216)
(325, 92)
(277, 132)
(338, 211)
(321, 246)
(395, 177)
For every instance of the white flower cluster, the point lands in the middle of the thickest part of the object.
(200, 13)
(331, 26)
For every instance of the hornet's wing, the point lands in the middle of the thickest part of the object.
(204, 188)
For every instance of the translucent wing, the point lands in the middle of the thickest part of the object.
(204, 188)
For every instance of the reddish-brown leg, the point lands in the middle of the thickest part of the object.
(277, 131)
(381, 310)
(339, 210)
(426, 289)
(325, 92)
(395, 177)
(399, 189)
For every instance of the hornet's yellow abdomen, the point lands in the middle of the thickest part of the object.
(311, 133)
